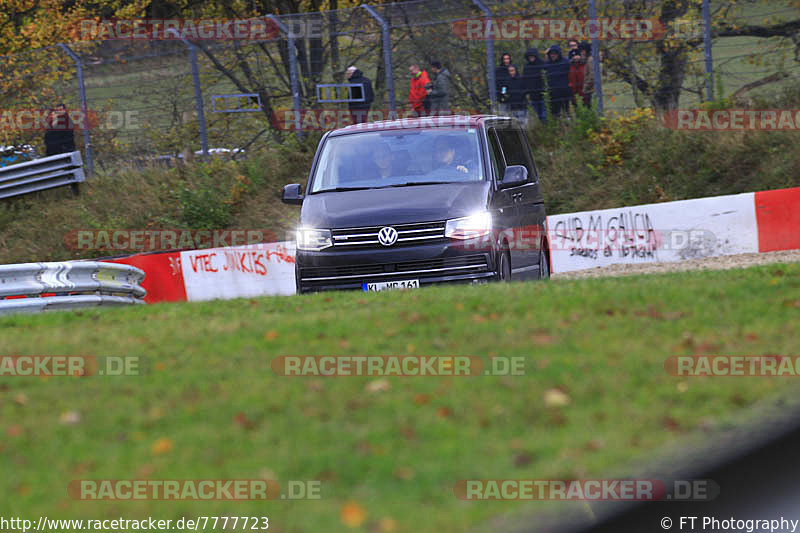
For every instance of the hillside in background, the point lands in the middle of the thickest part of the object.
(585, 163)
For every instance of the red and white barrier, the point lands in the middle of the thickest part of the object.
(671, 231)
(675, 231)
(242, 271)
(232, 272)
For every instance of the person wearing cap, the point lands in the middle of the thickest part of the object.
(361, 97)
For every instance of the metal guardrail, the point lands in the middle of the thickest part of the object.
(74, 284)
(41, 174)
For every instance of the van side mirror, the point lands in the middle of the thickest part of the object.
(514, 176)
(291, 194)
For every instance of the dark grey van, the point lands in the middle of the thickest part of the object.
(407, 203)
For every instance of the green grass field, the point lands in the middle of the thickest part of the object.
(387, 451)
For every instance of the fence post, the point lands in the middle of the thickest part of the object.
(198, 93)
(596, 70)
(707, 43)
(387, 54)
(87, 142)
(489, 53)
(293, 78)
(198, 98)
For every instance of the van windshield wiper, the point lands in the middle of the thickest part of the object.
(412, 183)
(406, 184)
(339, 189)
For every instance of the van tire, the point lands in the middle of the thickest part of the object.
(544, 262)
(504, 266)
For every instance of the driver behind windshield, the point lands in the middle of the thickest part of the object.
(445, 149)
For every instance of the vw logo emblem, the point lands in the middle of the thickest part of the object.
(387, 236)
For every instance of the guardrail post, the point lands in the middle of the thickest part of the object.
(198, 92)
(387, 55)
(489, 53)
(294, 80)
(598, 79)
(708, 57)
(87, 141)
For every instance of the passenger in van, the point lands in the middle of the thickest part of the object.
(381, 163)
(445, 155)
(384, 161)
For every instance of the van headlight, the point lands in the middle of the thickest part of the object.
(313, 239)
(471, 227)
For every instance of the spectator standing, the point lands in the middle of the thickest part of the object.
(439, 90)
(359, 110)
(577, 66)
(572, 48)
(534, 82)
(60, 135)
(416, 90)
(588, 79)
(557, 69)
(516, 100)
(501, 81)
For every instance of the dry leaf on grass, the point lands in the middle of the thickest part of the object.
(352, 514)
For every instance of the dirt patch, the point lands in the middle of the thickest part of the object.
(707, 263)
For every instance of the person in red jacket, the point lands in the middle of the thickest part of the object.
(416, 91)
(577, 70)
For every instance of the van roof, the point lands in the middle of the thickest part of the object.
(449, 121)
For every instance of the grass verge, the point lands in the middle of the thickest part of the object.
(388, 453)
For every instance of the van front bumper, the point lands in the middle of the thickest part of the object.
(429, 263)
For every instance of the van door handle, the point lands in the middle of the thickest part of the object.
(517, 196)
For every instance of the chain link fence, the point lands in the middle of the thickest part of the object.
(167, 99)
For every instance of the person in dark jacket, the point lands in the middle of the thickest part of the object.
(501, 80)
(534, 82)
(60, 135)
(557, 70)
(439, 90)
(359, 110)
(516, 102)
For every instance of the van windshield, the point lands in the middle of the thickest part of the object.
(396, 158)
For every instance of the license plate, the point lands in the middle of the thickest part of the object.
(390, 285)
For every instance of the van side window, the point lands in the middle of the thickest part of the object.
(515, 151)
(498, 163)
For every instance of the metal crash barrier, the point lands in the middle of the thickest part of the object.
(41, 174)
(35, 287)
